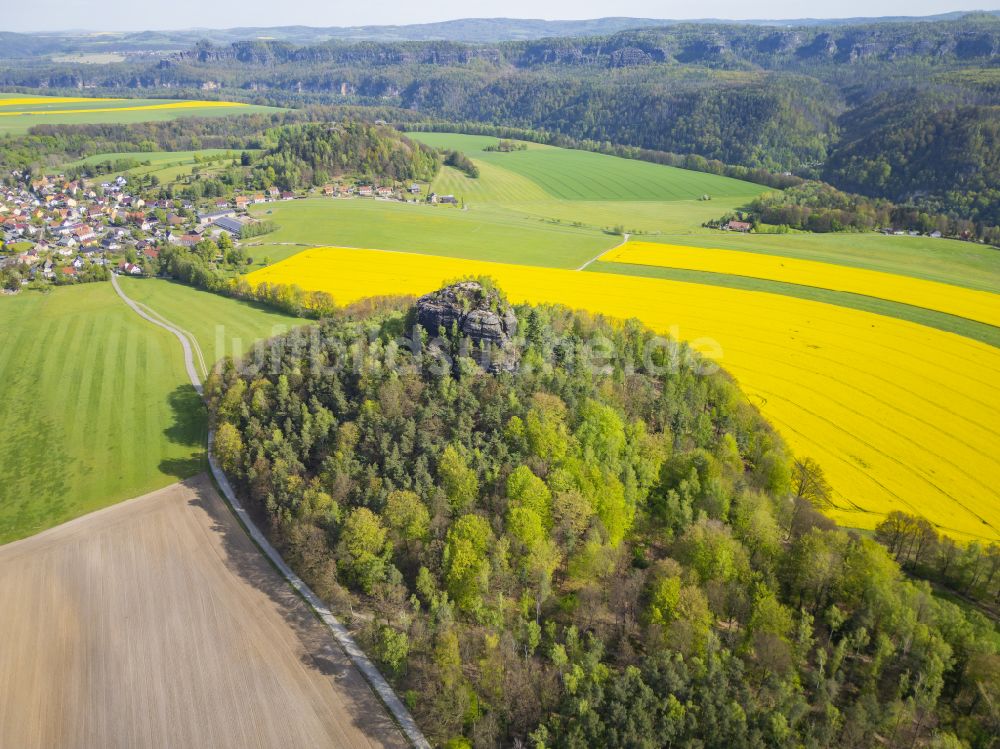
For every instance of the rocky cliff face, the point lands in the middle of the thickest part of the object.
(476, 319)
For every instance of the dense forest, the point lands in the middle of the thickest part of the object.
(902, 146)
(556, 530)
(903, 110)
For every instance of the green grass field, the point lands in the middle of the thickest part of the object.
(168, 166)
(488, 233)
(97, 407)
(222, 327)
(17, 116)
(155, 158)
(567, 174)
(556, 207)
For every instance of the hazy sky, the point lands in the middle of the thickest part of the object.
(118, 15)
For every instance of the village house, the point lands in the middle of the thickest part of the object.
(189, 240)
(743, 226)
(365, 191)
(241, 201)
(84, 233)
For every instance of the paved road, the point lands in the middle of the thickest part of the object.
(343, 637)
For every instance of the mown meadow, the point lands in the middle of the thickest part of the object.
(97, 407)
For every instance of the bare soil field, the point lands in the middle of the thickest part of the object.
(157, 623)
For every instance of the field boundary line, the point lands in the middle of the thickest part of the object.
(594, 259)
(372, 675)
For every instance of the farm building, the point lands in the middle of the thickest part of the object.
(210, 218)
(230, 225)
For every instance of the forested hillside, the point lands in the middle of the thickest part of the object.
(574, 551)
(916, 146)
(307, 155)
(903, 110)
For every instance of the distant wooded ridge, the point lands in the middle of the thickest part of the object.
(460, 30)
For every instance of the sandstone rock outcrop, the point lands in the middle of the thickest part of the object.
(469, 314)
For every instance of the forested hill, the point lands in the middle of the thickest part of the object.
(564, 554)
(311, 154)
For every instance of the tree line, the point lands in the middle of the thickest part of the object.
(820, 207)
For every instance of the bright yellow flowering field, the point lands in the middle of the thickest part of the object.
(981, 306)
(901, 416)
(144, 107)
(30, 100)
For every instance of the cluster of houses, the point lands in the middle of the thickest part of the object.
(385, 192)
(57, 225)
(52, 225)
(889, 231)
(370, 191)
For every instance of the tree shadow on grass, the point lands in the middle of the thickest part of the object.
(320, 650)
(190, 420)
(189, 427)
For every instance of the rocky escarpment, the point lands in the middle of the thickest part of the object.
(476, 319)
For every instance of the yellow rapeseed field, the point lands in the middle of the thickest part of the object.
(144, 107)
(30, 100)
(981, 306)
(901, 416)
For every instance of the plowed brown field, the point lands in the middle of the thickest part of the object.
(157, 623)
